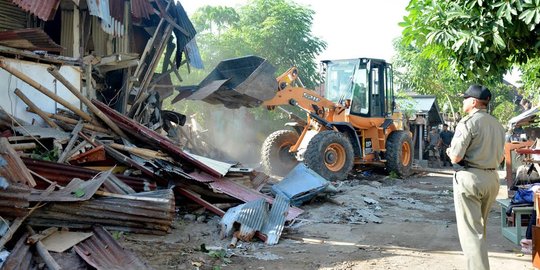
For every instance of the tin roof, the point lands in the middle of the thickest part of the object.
(29, 39)
(43, 9)
(103, 252)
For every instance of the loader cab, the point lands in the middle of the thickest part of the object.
(366, 82)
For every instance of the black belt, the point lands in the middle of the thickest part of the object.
(485, 169)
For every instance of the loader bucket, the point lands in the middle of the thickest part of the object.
(245, 81)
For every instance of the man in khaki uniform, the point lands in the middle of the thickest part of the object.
(478, 146)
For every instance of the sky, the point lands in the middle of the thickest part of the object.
(351, 28)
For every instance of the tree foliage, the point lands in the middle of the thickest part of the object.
(277, 30)
(420, 72)
(481, 39)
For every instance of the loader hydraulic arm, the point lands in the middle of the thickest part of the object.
(290, 94)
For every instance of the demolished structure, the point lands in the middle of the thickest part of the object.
(84, 144)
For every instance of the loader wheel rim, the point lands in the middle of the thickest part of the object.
(335, 157)
(284, 153)
(405, 153)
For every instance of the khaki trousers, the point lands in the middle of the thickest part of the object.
(475, 191)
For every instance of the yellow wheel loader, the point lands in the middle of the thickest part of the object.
(351, 123)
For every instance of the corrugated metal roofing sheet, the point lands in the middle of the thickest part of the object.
(14, 200)
(29, 39)
(100, 8)
(251, 218)
(525, 117)
(141, 9)
(193, 54)
(246, 194)
(76, 190)
(103, 252)
(12, 16)
(273, 227)
(219, 166)
(43, 9)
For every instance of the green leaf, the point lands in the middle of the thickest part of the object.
(499, 42)
(78, 193)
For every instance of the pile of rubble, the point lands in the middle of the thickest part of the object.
(143, 174)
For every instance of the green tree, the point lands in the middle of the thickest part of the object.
(447, 45)
(480, 39)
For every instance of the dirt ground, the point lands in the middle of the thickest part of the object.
(373, 222)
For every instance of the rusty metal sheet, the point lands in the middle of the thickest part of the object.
(43, 9)
(95, 154)
(246, 194)
(197, 198)
(63, 173)
(151, 137)
(103, 252)
(32, 39)
(14, 200)
(202, 177)
(141, 9)
(145, 212)
(76, 190)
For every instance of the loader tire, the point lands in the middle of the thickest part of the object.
(399, 153)
(330, 154)
(276, 158)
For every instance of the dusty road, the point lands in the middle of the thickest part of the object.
(372, 223)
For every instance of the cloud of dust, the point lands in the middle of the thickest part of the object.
(236, 133)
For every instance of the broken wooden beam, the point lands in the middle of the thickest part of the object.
(74, 137)
(54, 72)
(35, 108)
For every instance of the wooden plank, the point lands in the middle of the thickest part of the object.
(61, 241)
(13, 169)
(74, 137)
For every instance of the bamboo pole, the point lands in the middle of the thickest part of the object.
(23, 146)
(45, 91)
(44, 253)
(35, 108)
(54, 72)
(141, 151)
(74, 122)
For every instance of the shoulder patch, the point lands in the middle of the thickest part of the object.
(458, 133)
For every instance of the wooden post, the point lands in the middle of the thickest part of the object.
(54, 72)
(35, 108)
(44, 253)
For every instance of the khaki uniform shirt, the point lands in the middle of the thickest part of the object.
(479, 140)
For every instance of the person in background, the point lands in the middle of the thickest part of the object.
(433, 144)
(446, 139)
(478, 145)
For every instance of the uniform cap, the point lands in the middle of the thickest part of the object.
(478, 91)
